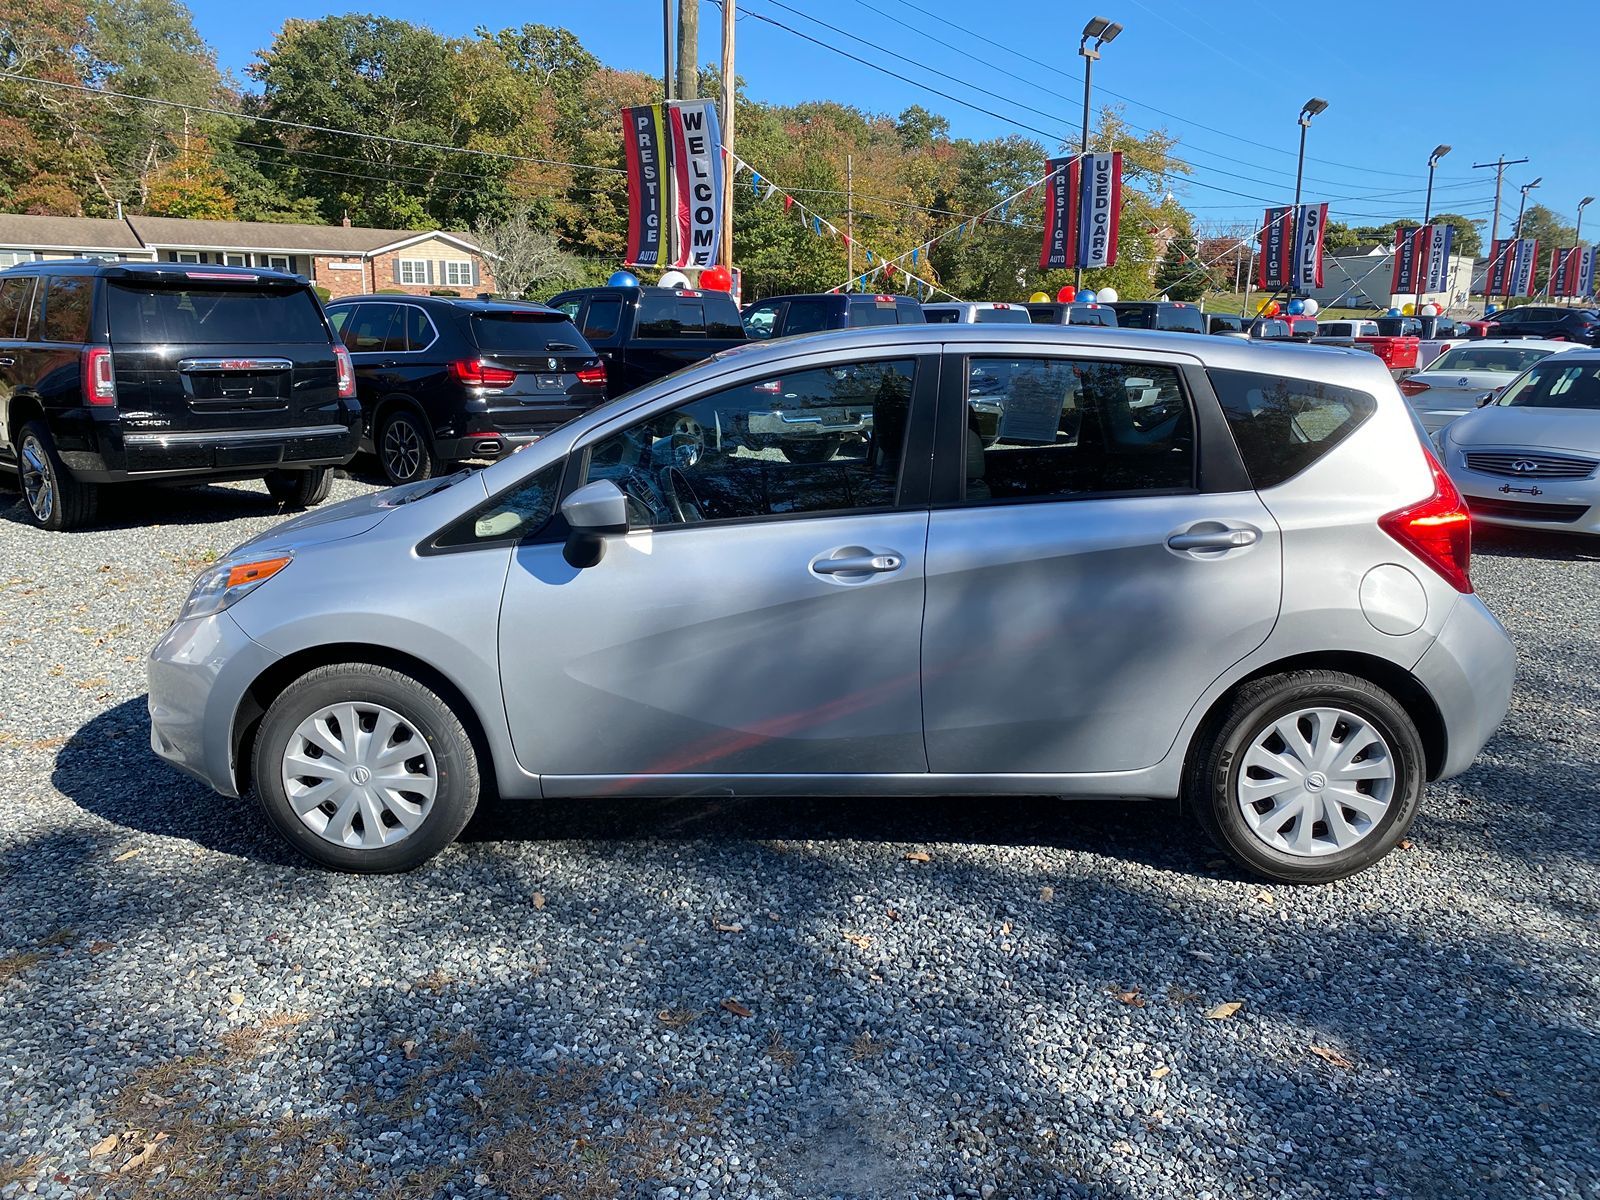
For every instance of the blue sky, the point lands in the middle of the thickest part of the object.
(1240, 67)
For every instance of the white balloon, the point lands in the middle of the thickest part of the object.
(675, 279)
(1312, 308)
(1430, 310)
(1107, 295)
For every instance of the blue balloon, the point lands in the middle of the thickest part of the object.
(1086, 296)
(1490, 309)
(1393, 312)
(623, 279)
(1296, 307)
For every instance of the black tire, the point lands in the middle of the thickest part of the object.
(405, 450)
(1216, 764)
(455, 762)
(56, 499)
(810, 450)
(300, 489)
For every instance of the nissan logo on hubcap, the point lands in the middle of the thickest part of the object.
(1316, 781)
(359, 776)
(1522, 465)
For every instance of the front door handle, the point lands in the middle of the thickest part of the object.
(868, 564)
(1214, 539)
(8, 362)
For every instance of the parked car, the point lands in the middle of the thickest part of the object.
(124, 372)
(979, 313)
(1052, 313)
(1467, 375)
(441, 380)
(1351, 328)
(790, 316)
(1169, 316)
(1266, 329)
(1531, 458)
(643, 333)
(1242, 579)
(1580, 325)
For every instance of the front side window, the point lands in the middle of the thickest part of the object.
(1282, 426)
(760, 321)
(814, 441)
(66, 309)
(413, 270)
(1556, 385)
(1056, 428)
(458, 272)
(510, 516)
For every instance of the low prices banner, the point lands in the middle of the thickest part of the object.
(1277, 237)
(697, 182)
(1311, 222)
(1082, 211)
(1435, 257)
(645, 147)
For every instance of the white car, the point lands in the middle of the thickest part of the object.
(1460, 379)
(982, 312)
(1531, 458)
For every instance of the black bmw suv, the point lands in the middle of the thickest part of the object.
(442, 379)
(167, 372)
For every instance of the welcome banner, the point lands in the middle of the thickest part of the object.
(1082, 211)
(645, 147)
(697, 182)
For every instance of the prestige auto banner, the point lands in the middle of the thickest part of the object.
(644, 144)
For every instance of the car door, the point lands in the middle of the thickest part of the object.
(1096, 558)
(762, 618)
(16, 295)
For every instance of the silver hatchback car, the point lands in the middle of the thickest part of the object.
(1055, 560)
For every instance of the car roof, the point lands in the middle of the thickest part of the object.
(457, 302)
(123, 270)
(1520, 344)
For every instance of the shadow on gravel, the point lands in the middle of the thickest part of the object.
(1555, 547)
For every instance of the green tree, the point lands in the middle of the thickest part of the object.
(189, 185)
(1467, 240)
(1181, 275)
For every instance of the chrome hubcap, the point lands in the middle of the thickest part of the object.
(402, 448)
(1316, 781)
(359, 775)
(37, 486)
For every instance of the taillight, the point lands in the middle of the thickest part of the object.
(474, 372)
(1410, 387)
(346, 371)
(1438, 530)
(99, 376)
(594, 376)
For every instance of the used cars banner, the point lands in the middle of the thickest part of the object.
(1082, 210)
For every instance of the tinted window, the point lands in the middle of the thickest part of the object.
(1556, 385)
(569, 306)
(1083, 314)
(603, 318)
(510, 516)
(337, 317)
(14, 295)
(760, 320)
(944, 316)
(999, 316)
(733, 454)
(1135, 316)
(709, 315)
(419, 332)
(805, 316)
(375, 329)
(1282, 426)
(1046, 314)
(526, 333)
(1055, 427)
(1180, 320)
(146, 314)
(66, 309)
(873, 313)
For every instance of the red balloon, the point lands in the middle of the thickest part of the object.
(1272, 309)
(716, 279)
(1067, 294)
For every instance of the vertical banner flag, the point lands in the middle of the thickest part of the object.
(1404, 277)
(1082, 211)
(1310, 223)
(1498, 279)
(697, 179)
(645, 148)
(1586, 268)
(1522, 261)
(1277, 235)
(1566, 271)
(1436, 255)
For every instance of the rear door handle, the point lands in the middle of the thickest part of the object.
(870, 564)
(1214, 539)
(8, 362)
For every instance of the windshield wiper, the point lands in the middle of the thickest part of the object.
(559, 346)
(447, 481)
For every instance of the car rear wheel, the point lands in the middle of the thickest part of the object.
(1307, 777)
(810, 450)
(404, 449)
(365, 769)
(54, 497)
(300, 489)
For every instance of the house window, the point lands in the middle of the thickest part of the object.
(414, 270)
(189, 256)
(280, 262)
(235, 260)
(10, 258)
(458, 272)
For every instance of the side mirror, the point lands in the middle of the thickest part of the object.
(593, 511)
(1486, 399)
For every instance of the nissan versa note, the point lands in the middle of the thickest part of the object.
(1066, 561)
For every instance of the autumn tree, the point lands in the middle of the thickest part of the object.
(189, 185)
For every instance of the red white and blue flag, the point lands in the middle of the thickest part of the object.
(1082, 211)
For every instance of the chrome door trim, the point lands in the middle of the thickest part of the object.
(202, 436)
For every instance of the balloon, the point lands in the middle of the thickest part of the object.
(1312, 308)
(1408, 310)
(1262, 306)
(1296, 307)
(1039, 298)
(1106, 295)
(1430, 310)
(716, 279)
(1088, 296)
(1490, 309)
(675, 279)
(623, 279)
(1393, 312)
(1067, 294)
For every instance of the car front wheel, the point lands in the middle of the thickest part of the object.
(365, 769)
(1307, 777)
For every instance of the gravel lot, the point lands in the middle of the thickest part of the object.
(703, 998)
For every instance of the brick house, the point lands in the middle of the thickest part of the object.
(345, 260)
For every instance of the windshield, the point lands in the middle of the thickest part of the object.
(526, 333)
(1501, 360)
(1556, 385)
(146, 315)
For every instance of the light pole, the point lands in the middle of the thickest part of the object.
(1103, 32)
(1310, 109)
(1420, 269)
(1577, 232)
(1523, 203)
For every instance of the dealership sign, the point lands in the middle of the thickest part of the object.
(674, 158)
(1082, 206)
(1291, 247)
(1422, 258)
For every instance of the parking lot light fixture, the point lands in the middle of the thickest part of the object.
(1101, 30)
(1522, 207)
(1427, 215)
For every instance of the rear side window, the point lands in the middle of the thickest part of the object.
(419, 330)
(526, 333)
(375, 329)
(66, 308)
(1180, 320)
(144, 315)
(14, 296)
(944, 316)
(805, 316)
(603, 318)
(1282, 426)
(1000, 316)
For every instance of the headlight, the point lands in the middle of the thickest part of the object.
(221, 585)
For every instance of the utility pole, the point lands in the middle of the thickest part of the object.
(1500, 164)
(666, 49)
(728, 82)
(689, 49)
(850, 214)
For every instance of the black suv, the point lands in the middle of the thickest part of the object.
(116, 372)
(787, 316)
(1580, 325)
(1051, 312)
(442, 380)
(1170, 316)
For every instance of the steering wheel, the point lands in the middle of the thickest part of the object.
(639, 490)
(679, 496)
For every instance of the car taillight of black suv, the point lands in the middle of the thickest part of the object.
(167, 372)
(442, 379)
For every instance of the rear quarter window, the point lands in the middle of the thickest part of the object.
(1181, 320)
(142, 314)
(1282, 426)
(67, 301)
